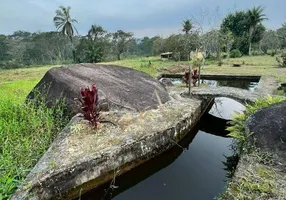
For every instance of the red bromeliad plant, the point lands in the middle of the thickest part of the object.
(195, 76)
(89, 104)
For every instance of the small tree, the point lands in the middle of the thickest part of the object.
(120, 41)
(228, 42)
(187, 26)
(96, 44)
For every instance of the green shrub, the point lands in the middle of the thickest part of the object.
(282, 60)
(26, 131)
(235, 53)
(10, 65)
(237, 128)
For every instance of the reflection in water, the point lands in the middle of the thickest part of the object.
(196, 174)
(238, 83)
(243, 84)
(197, 168)
(224, 108)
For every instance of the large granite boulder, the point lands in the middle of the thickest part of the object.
(120, 86)
(269, 128)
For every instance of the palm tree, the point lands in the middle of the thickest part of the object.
(187, 26)
(65, 24)
(254, 17)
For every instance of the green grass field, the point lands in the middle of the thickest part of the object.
(17, 83)
(22, 126)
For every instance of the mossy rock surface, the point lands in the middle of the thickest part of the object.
(269, 128)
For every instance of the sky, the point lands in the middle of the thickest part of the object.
(142, 17)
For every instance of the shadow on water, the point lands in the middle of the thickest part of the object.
(140, 173)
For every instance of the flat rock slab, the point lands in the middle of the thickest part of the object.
(269, 128)
(122, 87)
(81, 158)
(240, 95)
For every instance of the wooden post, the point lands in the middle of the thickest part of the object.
(199, 76)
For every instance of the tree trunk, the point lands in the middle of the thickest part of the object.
(251, 31)
(199, 80)
(228, 54)
(73, 50)
(249, 52)
(189, 83)
(219, 56)
(118, 56)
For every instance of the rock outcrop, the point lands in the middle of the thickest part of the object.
(82, 158)
(269, 128)
(240, 95)
(120, 86)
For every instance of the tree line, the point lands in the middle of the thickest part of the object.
(240, 33)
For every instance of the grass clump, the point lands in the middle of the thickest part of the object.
(26, 131)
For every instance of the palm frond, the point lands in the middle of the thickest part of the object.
(75, 29)
(64, 23)
(58, 19)
(74, 21)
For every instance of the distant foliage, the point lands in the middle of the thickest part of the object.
(235, 53)
(238, 24)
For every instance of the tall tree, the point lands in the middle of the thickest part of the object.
(145, 46)
(270, 41)
(158, 46)
(97, 44)
(95, 32)
(238, 25)
(65, 24)
(120, 41)
(187, 26)
(3, 47)
(281, 32)
(254, 17)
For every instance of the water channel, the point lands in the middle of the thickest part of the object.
(192, 170)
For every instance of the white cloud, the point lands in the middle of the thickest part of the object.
(143, 17)
(150, 32)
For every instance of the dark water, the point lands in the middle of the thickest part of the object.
(194, 169)
(238, 83)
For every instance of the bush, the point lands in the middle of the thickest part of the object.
(237, 128)
(235, 53)
(282, 60)
(10, 65)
